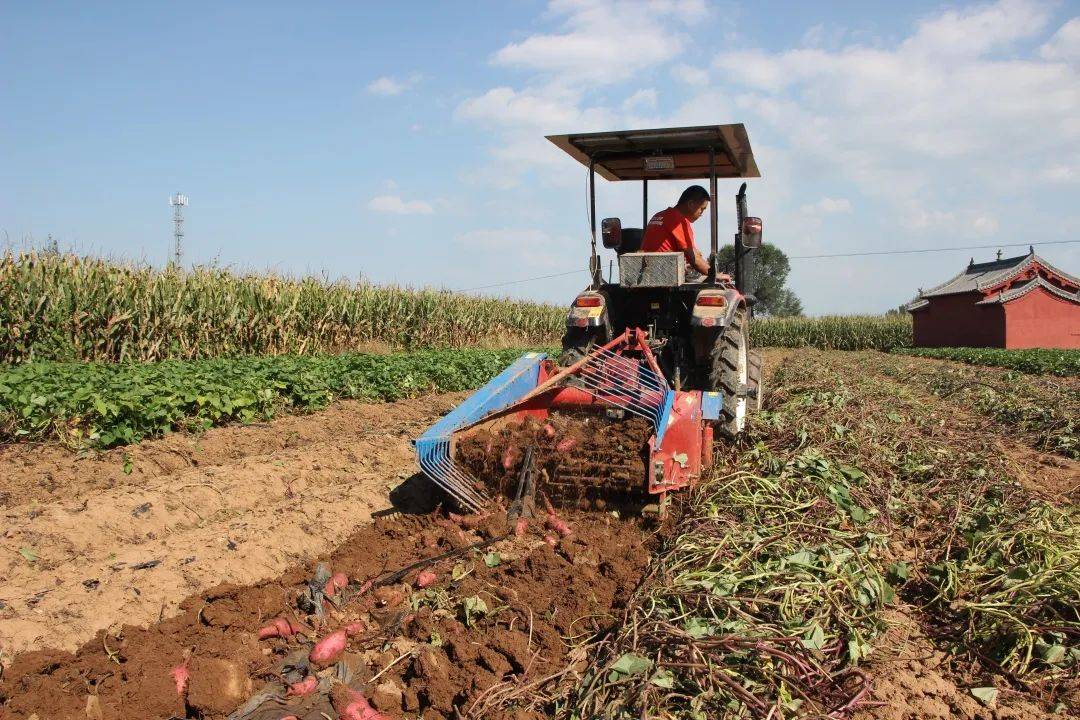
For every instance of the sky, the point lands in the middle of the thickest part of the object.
(404, 142)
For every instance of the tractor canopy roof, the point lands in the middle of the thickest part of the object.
(664, 153)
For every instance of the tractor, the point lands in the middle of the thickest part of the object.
(662, 345)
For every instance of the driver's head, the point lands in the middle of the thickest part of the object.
(692, 202)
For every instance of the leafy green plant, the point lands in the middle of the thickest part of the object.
(104, 405)
(1065, 363)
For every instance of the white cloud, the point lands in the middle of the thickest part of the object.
(894, 119)
(827, 206)
(394, 204)
(645, 98)
(690, 75)
(603, 41)
(1060, 174)
(393, 86)
(1065, 44)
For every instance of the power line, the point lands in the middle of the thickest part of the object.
(523, 280)
(808, 257)
(927, 250)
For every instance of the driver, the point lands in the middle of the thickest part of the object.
(670, 231)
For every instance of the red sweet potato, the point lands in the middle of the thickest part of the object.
(305, 687)
(329, 649)
(355, 707)
(520, 527)
(278, 627)
(549, 430)
(509, 457)
(181, 675)
(336, 582)
(425, 578)
(559, 525)
(566, 444)
(354, 629)
(551, 540)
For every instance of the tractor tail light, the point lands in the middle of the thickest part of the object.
(588, 302)
(711, 300)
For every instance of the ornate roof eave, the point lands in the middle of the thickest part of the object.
(1037, 282)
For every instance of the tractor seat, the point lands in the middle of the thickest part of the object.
(631, 240)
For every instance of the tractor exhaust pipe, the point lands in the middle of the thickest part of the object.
(744, 256)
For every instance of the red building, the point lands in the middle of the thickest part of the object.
(1019, 302)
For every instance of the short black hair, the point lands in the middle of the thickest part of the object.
(694, 194)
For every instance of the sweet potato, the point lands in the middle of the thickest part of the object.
(305, 687)
(520, 527)
(510, 457)
(336, 582)
(551, 540)
(278, 627)
(354, 706)
(329, 649)
(425, 578)
(549, 430)
(559, 525)
(354, 629)
(181, 675)
(566, 444)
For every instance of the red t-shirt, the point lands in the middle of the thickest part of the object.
(669, 231)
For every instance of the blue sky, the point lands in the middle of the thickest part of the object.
(402, 142)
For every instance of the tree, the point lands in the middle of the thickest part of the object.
(770, 274)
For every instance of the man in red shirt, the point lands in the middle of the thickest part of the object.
(670, 231)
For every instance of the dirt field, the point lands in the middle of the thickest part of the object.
(235, 505)
(118, 568)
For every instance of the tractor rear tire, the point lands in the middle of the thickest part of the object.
(729, 375)
(755, 380)
(576, 344)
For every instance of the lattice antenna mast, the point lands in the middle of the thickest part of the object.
(178, 202)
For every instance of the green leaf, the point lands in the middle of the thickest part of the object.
(803, 557)
(697, 627)
(986, 695)
(28, 554)
(629, 665)
(1051, 654)
(814, 639)
(460, 570)
(663, 678)
(128, 464)
(899, 571)
(492, 559)
(474, 606)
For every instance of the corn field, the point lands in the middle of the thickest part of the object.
(834, 332)
(71, 308)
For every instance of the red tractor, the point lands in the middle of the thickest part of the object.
(660, 345)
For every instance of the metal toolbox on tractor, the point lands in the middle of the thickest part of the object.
(651, 269)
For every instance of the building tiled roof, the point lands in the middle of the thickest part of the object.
(1021, 290)
(979, 276)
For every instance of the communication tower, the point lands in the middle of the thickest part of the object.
(178, 202)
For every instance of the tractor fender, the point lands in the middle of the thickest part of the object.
(714, 308)
(588, 311)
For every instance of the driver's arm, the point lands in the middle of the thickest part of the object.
(699, 263)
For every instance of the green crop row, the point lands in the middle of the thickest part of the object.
(69, 308)
(833, 332)
(1040, 362)
(103, 405)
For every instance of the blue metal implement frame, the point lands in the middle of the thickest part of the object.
(433, 447)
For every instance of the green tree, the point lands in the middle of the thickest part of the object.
(770, 274)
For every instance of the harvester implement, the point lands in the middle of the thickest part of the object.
(613, 382)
